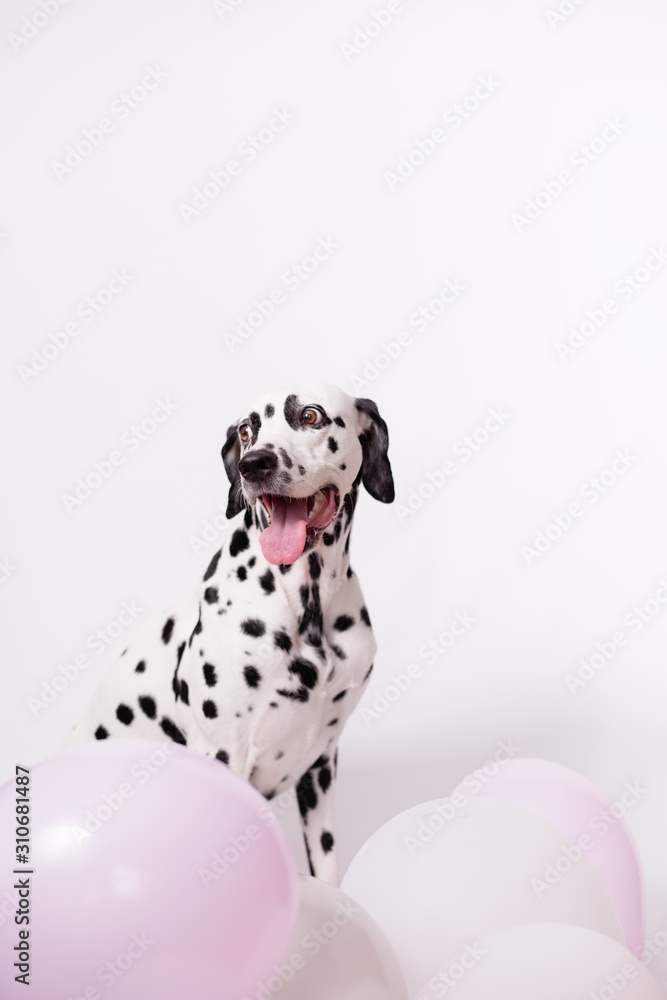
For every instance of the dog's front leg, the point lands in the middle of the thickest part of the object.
(315, 795)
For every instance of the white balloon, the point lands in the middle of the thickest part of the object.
(442, 875)
(338, 952)
(549, 962)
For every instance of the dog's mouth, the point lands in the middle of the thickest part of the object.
(293, 521)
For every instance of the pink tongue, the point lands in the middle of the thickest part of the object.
(284, 539)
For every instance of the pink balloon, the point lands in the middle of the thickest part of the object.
(157, 872)
(577, 807)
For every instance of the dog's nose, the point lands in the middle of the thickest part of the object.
(257, 465)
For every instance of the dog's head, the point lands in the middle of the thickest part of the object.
(297, 453)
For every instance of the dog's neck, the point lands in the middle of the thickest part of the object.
(311, 582)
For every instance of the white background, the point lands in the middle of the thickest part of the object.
(354, 114)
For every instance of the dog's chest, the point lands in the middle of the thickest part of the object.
(271, 678)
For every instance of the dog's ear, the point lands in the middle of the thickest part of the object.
(231, 452)
(374, 438)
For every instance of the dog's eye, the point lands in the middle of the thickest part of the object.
(244, 433)
(312, 416)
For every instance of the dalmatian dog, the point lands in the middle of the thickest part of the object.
(263, 665)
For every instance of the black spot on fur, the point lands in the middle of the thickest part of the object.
(253, 626)
(340, 695)
(337, 529)
(247, 518)
(302, 471)
(167, 630)
(185, 693)
(348, 574)
(291, 412)
(279, 755)
(267, 582)
(367, 674)
(273, 704)
(223, 756)
(239, 542)
(269, 410)
(301, 694)
(304, 594)
(306, 794)
(242, 573)
(252, 561)
(343, 623)
(179, 654)
(285, 568)
(314, 565)
(327, 842)
(363, 614)
(171, 730)
(332, 444)
(339, 421)
(332, 723)
(342, 466)
(148, 706)
(210, 675)
(252, 676)
(282, 641)
(305, 671)
(197, 629)
(255, 422)
(210, 709)
(285, 457)
(340, 653)
(140, 667)
(328, 538)
(211, 595)
(101, 733)
(324, 778)
(213, 565)
(124, 714)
